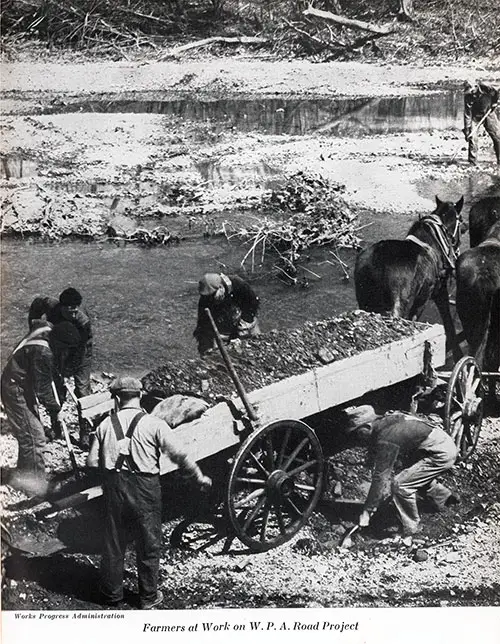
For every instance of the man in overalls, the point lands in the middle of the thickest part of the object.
(480, 106)
(127, 447)
(233, 305)
(28, 379)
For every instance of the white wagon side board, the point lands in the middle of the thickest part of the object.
(316, 390)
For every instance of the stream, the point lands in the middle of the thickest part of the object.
(144, 300)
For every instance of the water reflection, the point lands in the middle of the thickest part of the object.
(144, 300)
(335, 117)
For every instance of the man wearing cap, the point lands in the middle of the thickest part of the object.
(77, 362)
(233, 305)
(28, 379)
(127, 449)
(480, 106)
(426, 451)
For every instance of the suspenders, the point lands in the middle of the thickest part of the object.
(126, 440)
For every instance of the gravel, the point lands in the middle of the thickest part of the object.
(276, 355)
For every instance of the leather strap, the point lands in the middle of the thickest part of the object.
(115, 421)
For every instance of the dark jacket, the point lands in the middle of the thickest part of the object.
(395, 437)
(50, 308)
(478, 102)
(240, 301)
(31, 368)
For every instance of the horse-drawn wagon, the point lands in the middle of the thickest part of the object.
(275, 459)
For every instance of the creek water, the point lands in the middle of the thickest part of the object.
(144, 300)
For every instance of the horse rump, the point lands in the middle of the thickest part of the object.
(483, 214)
(478, 303)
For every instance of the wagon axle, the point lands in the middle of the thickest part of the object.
(279, 485)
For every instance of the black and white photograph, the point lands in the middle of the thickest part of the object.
(250, 321)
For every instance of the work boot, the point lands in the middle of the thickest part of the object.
(154, 602)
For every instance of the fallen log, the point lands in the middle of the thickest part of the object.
(348, 22)
(243, 40)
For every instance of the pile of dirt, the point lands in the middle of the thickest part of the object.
(276, 355)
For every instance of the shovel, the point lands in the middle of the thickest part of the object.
(346, 541)
(475, 129)
(67, 438)
(230, 367)
(72, 457)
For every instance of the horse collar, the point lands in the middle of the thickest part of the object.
(490, 242)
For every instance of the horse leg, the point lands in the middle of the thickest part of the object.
(442, 301)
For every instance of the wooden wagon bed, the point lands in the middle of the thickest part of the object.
(316, 390)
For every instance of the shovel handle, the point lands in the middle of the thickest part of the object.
(70, 448)
(230, 367)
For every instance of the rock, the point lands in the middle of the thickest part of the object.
(240, 566)
(420, 555)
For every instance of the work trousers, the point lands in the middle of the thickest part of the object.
(439, 453)
(80, 366)
(133, 508)
(492, 126)
(21, 409)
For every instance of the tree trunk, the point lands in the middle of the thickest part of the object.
(347, 22)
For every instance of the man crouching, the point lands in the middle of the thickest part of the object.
(400, 436)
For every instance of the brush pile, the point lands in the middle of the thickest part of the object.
(307, 211)
(101, 24)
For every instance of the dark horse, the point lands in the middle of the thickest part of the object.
(399, 276)
(483, 214)
(478, 299)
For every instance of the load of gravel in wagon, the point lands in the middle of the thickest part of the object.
(276, 355)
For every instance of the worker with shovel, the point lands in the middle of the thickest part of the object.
(233, 305)
(426, 451)
(27, 380)
(480, 108)
(77, 362)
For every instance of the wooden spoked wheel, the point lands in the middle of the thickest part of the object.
(464, 406)
(275, 483)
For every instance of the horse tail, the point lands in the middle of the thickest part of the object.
(484, 334)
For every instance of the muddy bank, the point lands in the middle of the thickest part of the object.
(77, 168)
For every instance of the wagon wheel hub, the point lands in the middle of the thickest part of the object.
(472, 406)
(279, 485)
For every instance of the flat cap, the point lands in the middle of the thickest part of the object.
(126, 384)
(359, 416)
(209, 283)
(70, 297)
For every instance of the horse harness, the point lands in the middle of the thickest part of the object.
(490, 242)
(447, 244)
